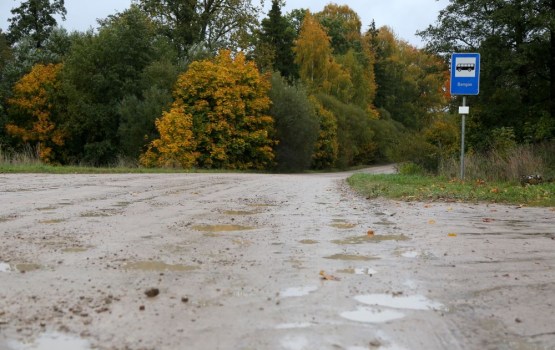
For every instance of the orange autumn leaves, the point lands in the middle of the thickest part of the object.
(218, 118)
(33, 101)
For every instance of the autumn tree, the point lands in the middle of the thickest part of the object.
(342, 25)
(35, 18)
(33, 111)
(220, 107)
(318, 68)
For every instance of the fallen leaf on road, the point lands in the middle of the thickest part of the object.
(432, 222)
(452, 235)
(327, 277)
(370, 233)
(488, 220)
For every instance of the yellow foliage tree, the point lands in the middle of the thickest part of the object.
(176, 146)
(326, 149)
(32, 109)
(226, 100)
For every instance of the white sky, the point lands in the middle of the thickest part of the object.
(404, 16)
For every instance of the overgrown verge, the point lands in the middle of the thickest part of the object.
(434, 188)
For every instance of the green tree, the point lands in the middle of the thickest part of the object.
(296, 124)
(278, 36)
(516, 39)
(343, 26)
(35, 18)
(100, 72)
(213, 23)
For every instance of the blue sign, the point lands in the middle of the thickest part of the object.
(465, 74)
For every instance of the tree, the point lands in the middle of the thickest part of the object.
(343, 25)
(318, 68)
(278, 36)
(223, 104)
(296, 124)
(213, 23)
(32, 108)
(516, 39)
(100, 72)
(411, 81)
(35, 18)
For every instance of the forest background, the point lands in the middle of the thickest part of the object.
(205, 84)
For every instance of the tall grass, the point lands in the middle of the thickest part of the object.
(25, 157)
(505, 165)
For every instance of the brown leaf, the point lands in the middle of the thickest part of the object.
(488, 220)
(452, 234)
(327, 277)
(370, 233)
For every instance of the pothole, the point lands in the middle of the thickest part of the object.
(411, 302)
(297, 291)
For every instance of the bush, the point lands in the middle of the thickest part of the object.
(410, 168)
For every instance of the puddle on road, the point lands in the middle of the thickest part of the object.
(308, 241)
(370, 239)
(27, 267)
(296, 325)
(358, 271)
(240, 212)
(369, 315)
(51, 207)
(5, 267)
(343, 225)
(349, 257)
(51, 222)
(410, 254)
(221, 228)
(411, 302)
(48, 341)
(157, 266)
(297, 291)
(74, 250)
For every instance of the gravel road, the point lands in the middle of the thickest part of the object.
(247, 261)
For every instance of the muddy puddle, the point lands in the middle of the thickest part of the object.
(409, 302)
(52, 221)
(370, 239)
(48, 341)
(21, 267)
(240, 212)
(75, 250)
(350, 257)
(308, 241)
(221, 228)
(370, 315)
(358, 271)
(343, 225)
(157, 266)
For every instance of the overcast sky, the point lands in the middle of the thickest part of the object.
(404, 16)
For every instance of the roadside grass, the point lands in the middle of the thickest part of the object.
(430, 188)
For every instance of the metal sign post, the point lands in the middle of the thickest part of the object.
(465, 80)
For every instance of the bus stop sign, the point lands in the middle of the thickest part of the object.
(465, 74)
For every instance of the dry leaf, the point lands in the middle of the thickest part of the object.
(432, 222)
(488, 220)
(452, 235)
(327, 277)
(494, 190)
(370, 233)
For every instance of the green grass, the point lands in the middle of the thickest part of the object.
(428, 188)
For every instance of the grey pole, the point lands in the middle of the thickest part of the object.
(462, 139)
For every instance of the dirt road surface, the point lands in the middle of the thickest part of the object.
(243, 261)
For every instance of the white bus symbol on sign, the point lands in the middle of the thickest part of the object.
(465, 67)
